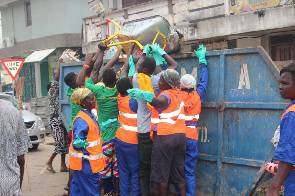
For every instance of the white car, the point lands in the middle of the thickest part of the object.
(35, 128)
(33, 123)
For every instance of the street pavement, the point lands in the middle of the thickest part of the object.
(37, 180)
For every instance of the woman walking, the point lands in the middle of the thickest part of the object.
(59, 131)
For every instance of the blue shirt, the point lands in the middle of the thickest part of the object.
(285, 151)
(203, 82)
(133, 105)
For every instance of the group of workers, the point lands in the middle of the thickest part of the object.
(136, 127)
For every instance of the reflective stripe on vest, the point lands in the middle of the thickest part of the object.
(93, 143)
(172, 114)
(155, 120)
(88, 157)
(193, 127)
(128, 115)
(186, 117)
(129, 128)
(127, 132)
(169, 121)
(167, 117)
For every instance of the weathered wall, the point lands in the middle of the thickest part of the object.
(202, 19)
(49, 17)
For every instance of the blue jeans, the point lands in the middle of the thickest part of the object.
(289, 184)
(191, 159)
(128, 163)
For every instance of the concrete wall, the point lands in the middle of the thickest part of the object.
(49, 17)
(248, 42)
(205, 19)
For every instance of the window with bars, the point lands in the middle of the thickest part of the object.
(283, 47)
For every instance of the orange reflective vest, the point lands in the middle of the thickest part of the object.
(168, 121)
(290, 109)
(192, 110)
(95, 157)
(127, 132)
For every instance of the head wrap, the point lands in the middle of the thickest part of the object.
(171, 77)
(187, 81)
(79, 95)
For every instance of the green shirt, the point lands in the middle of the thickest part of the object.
(74, 108)
(107, 106)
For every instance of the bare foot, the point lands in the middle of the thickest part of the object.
(50, 168)
(64, 169)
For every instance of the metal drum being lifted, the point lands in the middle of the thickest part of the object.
(145, 30)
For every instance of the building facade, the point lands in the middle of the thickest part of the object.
(220, 24)
(42, 29)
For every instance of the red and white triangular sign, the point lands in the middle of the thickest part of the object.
(13, 66)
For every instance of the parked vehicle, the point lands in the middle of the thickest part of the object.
(33, 123)
(35, 128)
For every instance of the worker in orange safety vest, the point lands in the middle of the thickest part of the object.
(85, 152)
(127, 141)
(168, 154)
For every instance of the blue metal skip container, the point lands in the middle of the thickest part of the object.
(238, 119)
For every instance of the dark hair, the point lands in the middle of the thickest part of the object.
(123, 85)
(149, 64)
(109, 77)
(289, 68)
(70, 79)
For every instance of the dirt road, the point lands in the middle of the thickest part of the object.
(38, 181)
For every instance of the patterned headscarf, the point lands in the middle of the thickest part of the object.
(171, 77)
(79, 95)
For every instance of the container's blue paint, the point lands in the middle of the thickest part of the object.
(63, 98)
(239, 117)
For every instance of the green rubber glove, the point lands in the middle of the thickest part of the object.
(131, 67)
(147, 49)
(159, 59)
(201, 54)
(157, 54)
(79, 143)
(156, 48)
(136, 93)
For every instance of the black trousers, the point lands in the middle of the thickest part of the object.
(145, 145)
